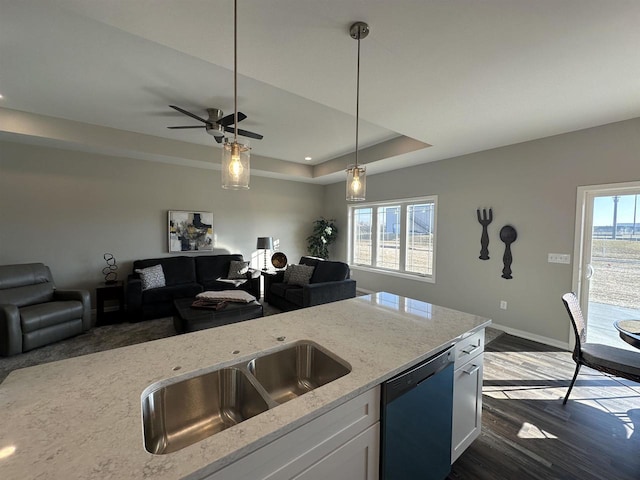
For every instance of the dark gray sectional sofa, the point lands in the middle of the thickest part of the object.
(185, 277)
(329, 282)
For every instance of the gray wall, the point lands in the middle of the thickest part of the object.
(67, 208)
(531, 186)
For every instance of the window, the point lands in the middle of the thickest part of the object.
(395, 237)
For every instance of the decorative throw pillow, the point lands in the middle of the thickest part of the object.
(300, 274)
(152, 277)
(287, 272)
(238, 270)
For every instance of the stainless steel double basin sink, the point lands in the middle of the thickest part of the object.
(187, 411)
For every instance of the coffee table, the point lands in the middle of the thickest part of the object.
(188, 319)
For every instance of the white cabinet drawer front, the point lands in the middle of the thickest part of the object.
(467, 405)
(469, 347)
(309, 443)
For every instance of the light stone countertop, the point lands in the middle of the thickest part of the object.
(81, 417)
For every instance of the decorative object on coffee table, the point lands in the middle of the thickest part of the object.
(324, 234)
(264, 243)
(109, 272)
(190, 231)
(279, 260)
(508, 235)
(484, 239)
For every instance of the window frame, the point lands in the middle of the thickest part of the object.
(403, 204)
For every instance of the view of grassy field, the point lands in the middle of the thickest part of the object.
(616, 278)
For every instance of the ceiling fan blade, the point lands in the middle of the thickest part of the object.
(191, 126)
(244, 133)
(192, 115)
(219, 139)
(229, 119)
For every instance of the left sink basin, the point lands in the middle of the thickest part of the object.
(183, 413)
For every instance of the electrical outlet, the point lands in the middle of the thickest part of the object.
(559, 258)
(503, 305)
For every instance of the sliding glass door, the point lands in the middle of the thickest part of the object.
(609, 270)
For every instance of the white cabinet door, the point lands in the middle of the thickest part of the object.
(358, 459)
(467, 405)
(306, 446)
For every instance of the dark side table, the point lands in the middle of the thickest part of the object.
(109, 292)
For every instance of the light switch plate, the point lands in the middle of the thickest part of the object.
(559, 258)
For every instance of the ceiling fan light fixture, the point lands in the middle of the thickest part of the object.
(356, 174)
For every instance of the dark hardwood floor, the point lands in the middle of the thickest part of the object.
(528, 434)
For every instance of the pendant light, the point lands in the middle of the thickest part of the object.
(235, 155)
(356, 174)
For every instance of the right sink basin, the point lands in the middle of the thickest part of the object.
(298, 369)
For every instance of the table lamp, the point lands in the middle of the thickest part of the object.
(265, 243)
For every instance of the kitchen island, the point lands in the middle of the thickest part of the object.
(81, 417)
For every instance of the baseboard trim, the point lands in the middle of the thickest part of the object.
(532, 336)
(364, 291)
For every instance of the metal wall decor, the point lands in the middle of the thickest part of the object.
(484, 239)
(109, 272)
(508, 235)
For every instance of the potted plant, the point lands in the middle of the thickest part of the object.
(324, 234)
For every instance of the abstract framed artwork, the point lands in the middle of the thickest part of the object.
(190, 231)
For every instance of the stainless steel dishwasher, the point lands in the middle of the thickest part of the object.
(417, 406)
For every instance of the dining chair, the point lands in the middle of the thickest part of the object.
(604, 358)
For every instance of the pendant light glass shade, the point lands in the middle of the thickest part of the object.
(356, 183)
(235, 166)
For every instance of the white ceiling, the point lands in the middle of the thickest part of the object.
(461, 75)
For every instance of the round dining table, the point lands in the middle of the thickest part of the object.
(629, 331)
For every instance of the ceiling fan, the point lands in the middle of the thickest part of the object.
(216, 124)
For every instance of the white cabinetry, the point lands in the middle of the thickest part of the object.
(467, 393)
(341, 444)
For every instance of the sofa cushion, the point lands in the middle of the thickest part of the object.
(211, 267)
(169, 293)
(151, 277)
(177, 270)
(311, 261)
(25, 284)
(42, 315)
(222, 285)
(300, 274)
(294, 295)
(279, 289)
(237, 270)
(330, 272)
(27, 295)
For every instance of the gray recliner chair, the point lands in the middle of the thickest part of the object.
(34, 313)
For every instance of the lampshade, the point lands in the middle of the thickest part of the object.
(265, 243)
(235, 166)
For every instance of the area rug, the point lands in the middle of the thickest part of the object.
(114, 336)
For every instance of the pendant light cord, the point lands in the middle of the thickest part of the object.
(235, 71)
(357, 99)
